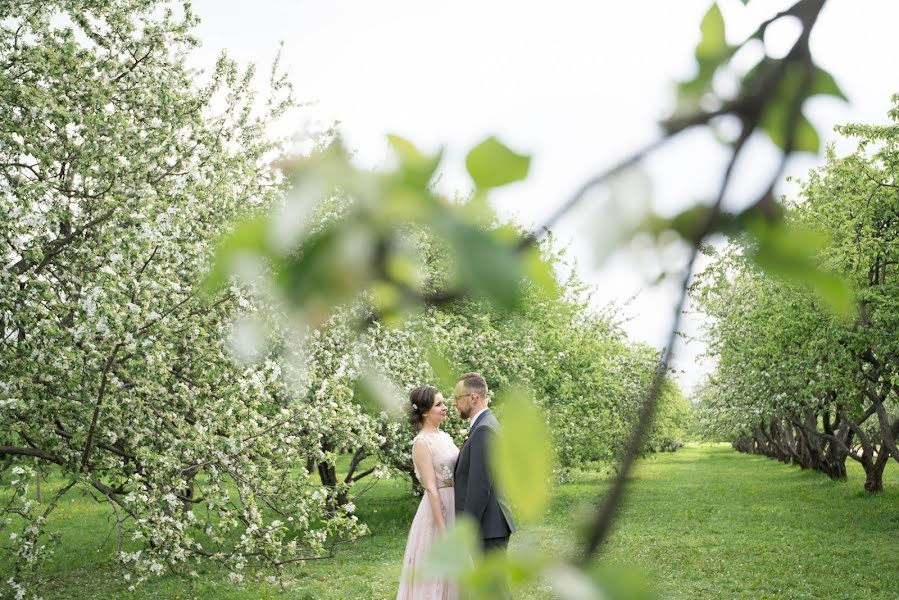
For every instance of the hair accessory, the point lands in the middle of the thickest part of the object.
(415, 406)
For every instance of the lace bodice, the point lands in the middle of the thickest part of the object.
(443, 454)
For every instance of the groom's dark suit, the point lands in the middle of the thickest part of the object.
(475, 493)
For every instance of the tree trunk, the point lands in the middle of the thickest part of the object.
(328, 475)
(777, 442)
(836, 453)
(745, 444)
(874, 471)
(888, 431)
(761, 441)
(797, 452)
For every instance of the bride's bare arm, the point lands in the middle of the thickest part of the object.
(421, 455)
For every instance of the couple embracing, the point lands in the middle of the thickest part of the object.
(455, 481)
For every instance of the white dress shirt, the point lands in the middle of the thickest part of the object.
(476, 417)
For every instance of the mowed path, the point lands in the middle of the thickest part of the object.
(708, 522)
(704, 522)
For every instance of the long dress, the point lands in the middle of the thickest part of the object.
(414, 586)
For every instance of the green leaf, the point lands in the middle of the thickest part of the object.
(385, 297)
(599, 582)
(622, 583)
(457, 556)
(416, 168)
(690, 222)
(540, 273)
(452, 553)
(523, 456)
(713, 41)
(444, 371)
(824, 83)
(493, 575)
(775, 119)
(571, 583)
(374, 394)
(791, 253)
(487, 265)
(248, 242)
(332, 265)
(835, 291)
(711, 52)
(492, 164)
(407, 152)
(775, 122)
(806, 137)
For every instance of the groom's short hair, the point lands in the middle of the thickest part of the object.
(473, 382)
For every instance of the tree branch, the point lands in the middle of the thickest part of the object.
(88, 445)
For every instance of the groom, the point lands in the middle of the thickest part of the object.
(475, 493)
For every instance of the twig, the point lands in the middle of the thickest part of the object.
(602, 524)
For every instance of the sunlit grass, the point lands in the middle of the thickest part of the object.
(705, 522)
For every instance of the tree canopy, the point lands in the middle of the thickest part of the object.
(795, 380)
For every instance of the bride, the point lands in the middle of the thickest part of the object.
(434, 456)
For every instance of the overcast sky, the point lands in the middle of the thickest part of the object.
(575, 84)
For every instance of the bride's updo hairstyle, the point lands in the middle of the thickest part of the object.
(420, 402)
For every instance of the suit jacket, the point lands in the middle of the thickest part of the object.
(474, 490)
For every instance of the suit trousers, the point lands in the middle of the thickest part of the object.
(489, 544)
(501, 591)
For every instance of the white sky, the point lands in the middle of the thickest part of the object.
(575, 84)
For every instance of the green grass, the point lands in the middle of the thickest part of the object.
(705, 522)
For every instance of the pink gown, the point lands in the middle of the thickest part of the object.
(413, 586)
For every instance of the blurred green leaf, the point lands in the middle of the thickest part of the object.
(405, 203)
(824, 83)
(407, 152)
(690, 222)
(791, 253)
(776, 117)
(359, 247)
(541, 273)
(332, 265)
(486, 265)
(455, 552)
(416, 168)
(711, 52)
(775, 122)
(443, 369)
(385, 297)
(687, 223)
(492, 164)
(622, 583)
(249, 240)
(375, 393)
(806, 137)
(599, 582)
(523, 456)
(497, 572)
(571, 583)
(713, 40)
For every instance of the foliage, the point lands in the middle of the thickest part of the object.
(673, 421)
(583, 371)
(795, 380)
(116, 366)
(358, 255)
(141, 402)
(702, 510)
(118, 174)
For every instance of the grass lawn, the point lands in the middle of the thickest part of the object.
(705, 522)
